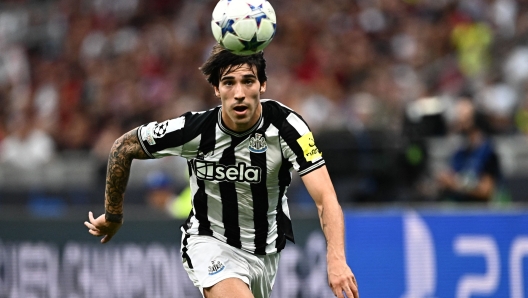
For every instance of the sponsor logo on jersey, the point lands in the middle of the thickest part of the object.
(212, 171)
(257, 144)
(216, 266)
(307, 144)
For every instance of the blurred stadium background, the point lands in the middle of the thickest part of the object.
(376, 80)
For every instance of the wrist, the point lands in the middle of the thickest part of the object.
(332, 256)
(112, 217)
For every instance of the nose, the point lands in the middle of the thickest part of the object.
(239, 92)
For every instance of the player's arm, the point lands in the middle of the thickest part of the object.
(125, 149)
(340, 277)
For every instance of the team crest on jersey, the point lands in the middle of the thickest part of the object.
(257, 144)
(216, 266)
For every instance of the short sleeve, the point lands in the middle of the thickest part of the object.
(299, 145)
(164, 138)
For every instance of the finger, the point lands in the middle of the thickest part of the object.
(95, 233)
(338, 292)
(90, 226)
(106, 239)
(355, 292)
(349, 293)
(355, 288)
(91, 217)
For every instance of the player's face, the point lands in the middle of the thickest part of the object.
(239, 90)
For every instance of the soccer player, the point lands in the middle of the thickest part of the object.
(240, 156)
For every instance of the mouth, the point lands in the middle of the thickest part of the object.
(240, 109)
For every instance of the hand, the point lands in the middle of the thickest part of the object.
(341, 279)
(447, 180)
(100, 227)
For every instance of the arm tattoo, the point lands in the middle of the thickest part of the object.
(125, 149)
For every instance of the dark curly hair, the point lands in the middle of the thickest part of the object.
(221, 60)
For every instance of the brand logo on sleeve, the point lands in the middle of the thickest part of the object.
(215, 267)
(148, 137)
(307, 143)
(257, 144)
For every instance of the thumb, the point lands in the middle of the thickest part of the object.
(106, 238)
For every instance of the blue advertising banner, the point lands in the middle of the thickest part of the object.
(60, 259)
(410, 254)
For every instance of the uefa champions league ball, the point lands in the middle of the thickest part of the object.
(244, 27)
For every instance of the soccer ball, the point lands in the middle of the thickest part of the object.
(244, 27)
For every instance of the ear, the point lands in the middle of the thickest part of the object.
(263, 87)
(217, 92)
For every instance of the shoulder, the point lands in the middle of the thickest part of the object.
(200, 118)
(276, 111)
(289, 123)
(275, 106)
(198, 115)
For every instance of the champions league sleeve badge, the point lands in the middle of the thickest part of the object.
(160, 129)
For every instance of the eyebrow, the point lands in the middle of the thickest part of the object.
(246, 76)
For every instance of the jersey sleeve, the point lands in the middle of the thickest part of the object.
(164, 138)
(298, 145)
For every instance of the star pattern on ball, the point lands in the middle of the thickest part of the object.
(252, 44)
(228, 27)
(257, 13)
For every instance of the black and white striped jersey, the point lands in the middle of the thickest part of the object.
(238, 180)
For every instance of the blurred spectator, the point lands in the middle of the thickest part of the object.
(498, 102)
(521, 116)
(474, 174)
(95, 60)
(355, 64)
(365, 112)
(27, 146)
(161, 196)
(472, 38)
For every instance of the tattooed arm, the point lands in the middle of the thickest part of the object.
(340, 277)
(125, 149)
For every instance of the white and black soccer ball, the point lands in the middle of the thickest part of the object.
(244, 27)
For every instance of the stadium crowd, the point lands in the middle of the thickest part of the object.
(75, 75)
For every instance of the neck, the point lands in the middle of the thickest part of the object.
(243, 126)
